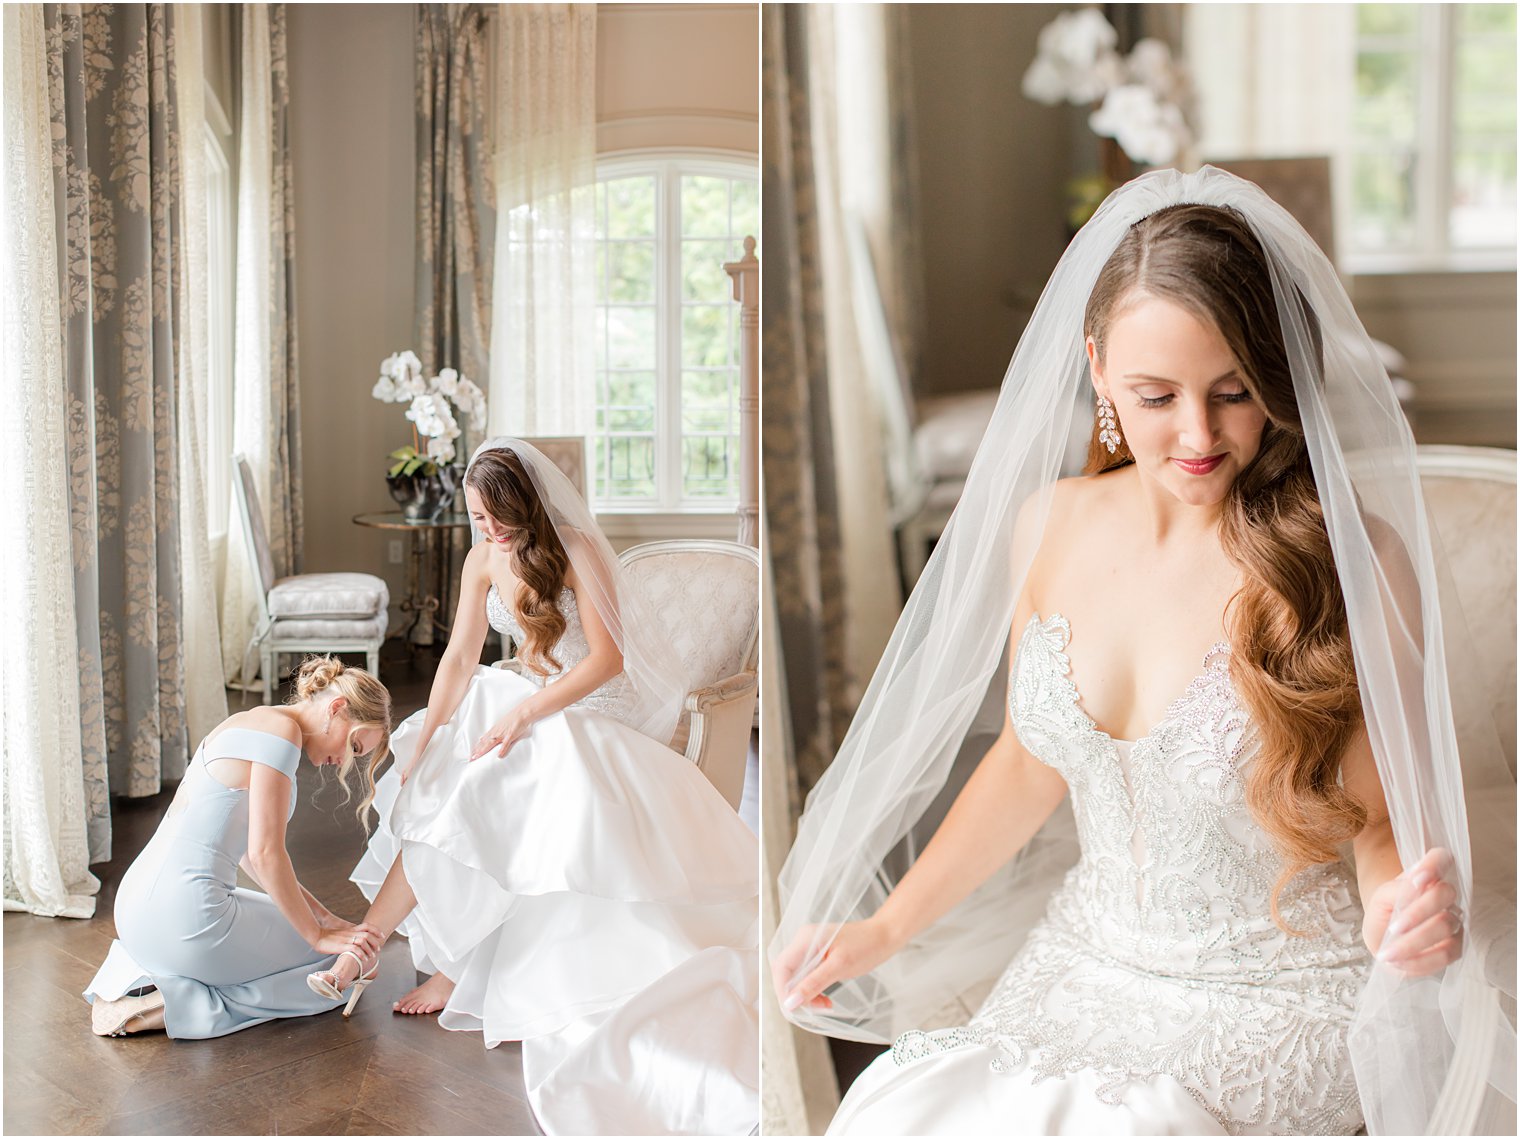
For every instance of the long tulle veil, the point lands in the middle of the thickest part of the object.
(653, 668)
(1433, 1056)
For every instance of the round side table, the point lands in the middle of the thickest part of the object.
(427, 584)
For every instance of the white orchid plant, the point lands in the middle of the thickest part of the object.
(430, 412)
(1142, 98)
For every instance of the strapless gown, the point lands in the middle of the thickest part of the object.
(1156, 996)
(224, 957)
(593, 896)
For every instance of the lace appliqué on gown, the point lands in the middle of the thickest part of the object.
(615, 698)
(1158, 954)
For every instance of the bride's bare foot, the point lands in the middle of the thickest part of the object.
(430, 996)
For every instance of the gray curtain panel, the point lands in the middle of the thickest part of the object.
(801, 507)
(283, 511)
(116, 181)
(456, 213)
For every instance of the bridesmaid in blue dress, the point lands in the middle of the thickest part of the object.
(198, 955)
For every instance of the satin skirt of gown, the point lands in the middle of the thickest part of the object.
(593, 896)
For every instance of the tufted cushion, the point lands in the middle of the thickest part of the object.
(950, 428)
(363, 629)
(327, 596)
(707, 604)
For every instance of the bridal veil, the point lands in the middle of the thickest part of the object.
(1432, 1056)
(652, 666)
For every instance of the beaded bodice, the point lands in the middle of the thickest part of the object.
(1175, 874)
(1158, 953)
(615, 698)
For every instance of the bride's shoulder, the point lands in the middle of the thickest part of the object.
(1060, 522)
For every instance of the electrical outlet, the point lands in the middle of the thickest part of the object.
(393, 551)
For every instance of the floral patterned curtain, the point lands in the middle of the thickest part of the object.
(116, 167)
(456, 212)
(797, 440)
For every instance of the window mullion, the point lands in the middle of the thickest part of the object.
(1433, 178)
(669, 444)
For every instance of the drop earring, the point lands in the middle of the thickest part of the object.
(1108, 433)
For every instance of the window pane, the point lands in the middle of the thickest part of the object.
(702, 275)
(625, 466)
(630, 207)
(630, 337)
(746, 215)
(630, 401)
(1386, 90)
(1386, 19)
(1496, 19)
(708, 466)
(1483, 196)
(704, 206)
(631, 269)
(704, 336)
(1483, 124)
(1383, 200)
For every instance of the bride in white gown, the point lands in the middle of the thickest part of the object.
(1201, 636)
(567, 878)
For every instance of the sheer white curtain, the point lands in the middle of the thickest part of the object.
(264, 418)
(854, 162)
(543, 323)
(205, 694)
(1273, 80)
(46, 849)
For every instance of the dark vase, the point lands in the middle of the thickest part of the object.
(424, 497)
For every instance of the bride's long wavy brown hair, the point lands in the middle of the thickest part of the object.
(1290, 656)
(539, 559)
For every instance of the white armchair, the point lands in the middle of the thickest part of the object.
(309, 612)
(708, 593)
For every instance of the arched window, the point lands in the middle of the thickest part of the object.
(666, 436)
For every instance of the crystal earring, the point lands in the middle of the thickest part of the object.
(1108, 433)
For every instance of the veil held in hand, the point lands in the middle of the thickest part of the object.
(650, 663)
(1432, 1056)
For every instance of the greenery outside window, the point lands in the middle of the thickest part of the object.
(667, 356)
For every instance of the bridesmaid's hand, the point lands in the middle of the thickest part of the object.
(363, 939)
(502, 734)
(328, 920)
(1413, 921)
(857, 947)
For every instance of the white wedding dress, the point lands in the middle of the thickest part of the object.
(592, 895)
(1157, 996)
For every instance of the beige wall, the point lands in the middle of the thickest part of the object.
(678, 75)
(668, 76)
(352, 148)
(991, 175)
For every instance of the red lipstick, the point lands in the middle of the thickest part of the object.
(1199, 466)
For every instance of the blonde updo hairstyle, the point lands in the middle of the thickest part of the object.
(1290, 642)
(369, 706)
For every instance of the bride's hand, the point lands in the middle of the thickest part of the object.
(856, 947)
(502, 734)
(1416, 919)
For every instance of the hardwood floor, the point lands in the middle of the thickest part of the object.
(375, 1074)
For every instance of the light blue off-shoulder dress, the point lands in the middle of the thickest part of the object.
(225, 958)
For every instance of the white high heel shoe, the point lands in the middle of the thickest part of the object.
(320, 983)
